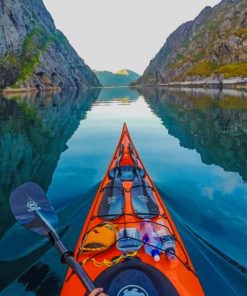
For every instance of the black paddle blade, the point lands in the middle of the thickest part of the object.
(32, 209)
(143, 201)
(112, 203)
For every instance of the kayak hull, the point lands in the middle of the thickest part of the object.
(176, 277)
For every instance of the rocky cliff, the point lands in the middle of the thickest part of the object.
(212, 48)
(34, 54)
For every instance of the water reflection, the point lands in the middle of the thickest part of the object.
(211, 122)
(34, 130)
(118, 94)
(207, 203)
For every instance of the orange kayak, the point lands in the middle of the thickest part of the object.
(130, 261)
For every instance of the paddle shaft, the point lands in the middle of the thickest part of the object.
(73, 264)
(65, 255)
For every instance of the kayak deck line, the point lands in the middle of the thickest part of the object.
(186, 264)
(177, 277)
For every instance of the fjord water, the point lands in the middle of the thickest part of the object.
(193, 143)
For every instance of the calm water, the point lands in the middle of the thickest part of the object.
(193, 143)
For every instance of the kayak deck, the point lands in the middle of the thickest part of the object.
(177, 277)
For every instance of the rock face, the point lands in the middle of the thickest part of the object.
(213, 48)
(120, 78)
(34, 54)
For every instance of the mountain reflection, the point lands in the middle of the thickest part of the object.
(34, 130)
(118, 94)
(211, 122)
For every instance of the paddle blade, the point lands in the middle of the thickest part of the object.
(32, 209)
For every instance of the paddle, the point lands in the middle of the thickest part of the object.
(32, 209)
(143, 201)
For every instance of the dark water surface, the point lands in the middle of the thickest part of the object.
(193, 143)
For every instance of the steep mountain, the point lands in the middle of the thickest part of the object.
(34, 54)
(122, 77)
(211, 49)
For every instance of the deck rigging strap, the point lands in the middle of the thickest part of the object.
(109, 263)
(106, 262)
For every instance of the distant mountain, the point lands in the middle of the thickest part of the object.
(121, 78)
(211, 49)
(34, 54)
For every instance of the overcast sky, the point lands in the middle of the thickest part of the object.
(116, 34)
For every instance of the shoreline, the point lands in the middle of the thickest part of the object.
(16, 91)
(240, 86)
(236, 83)
(193, 85)
(19, 91)
(48, 90)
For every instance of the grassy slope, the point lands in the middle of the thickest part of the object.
(33, 46)
(203, 67)
(194, 58)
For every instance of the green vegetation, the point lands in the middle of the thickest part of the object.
(199, 56)
(29, 56)
(203, 68)
(29, 112)
(226, 103)
(12, 59)
(232, 103)
(179, 62)
(206, 46)
(203, 100)
(233, 70)
(35, 44)
(28, 44)
(206, 69)
(241, 33)
(186, 43)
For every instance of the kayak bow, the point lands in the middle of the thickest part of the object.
(132, 273)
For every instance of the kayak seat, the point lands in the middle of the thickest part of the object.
(135, 278)
(126, 173)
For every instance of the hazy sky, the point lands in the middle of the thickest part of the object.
(116, 34)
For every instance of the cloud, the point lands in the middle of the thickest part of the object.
(229, 181)
(208, 192)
